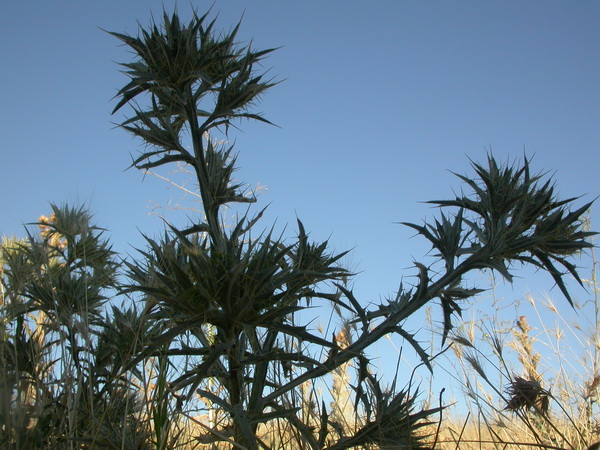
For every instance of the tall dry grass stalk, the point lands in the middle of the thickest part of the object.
(529, 382)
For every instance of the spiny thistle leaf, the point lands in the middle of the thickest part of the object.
(516, 217)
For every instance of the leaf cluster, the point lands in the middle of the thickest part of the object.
(62, 280)
(192, 75)
(510, 217)
(60, 380)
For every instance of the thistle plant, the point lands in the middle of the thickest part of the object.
(227, 297)
(55, 390)
(213, 308)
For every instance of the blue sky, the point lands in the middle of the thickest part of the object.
(379, 101)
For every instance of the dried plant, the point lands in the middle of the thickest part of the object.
(527, 395)
(553, 404)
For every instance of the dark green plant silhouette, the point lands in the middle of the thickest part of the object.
(233, 293)
(216, 309)
(55, 387)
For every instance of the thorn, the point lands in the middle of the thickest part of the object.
(423, 280)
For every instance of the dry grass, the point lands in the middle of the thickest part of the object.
(529, 382)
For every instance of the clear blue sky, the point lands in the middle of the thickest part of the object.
(379, 101)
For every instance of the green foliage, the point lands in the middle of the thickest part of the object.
(214, 310)
(514, 217)
(517, 219)
(53, 388)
